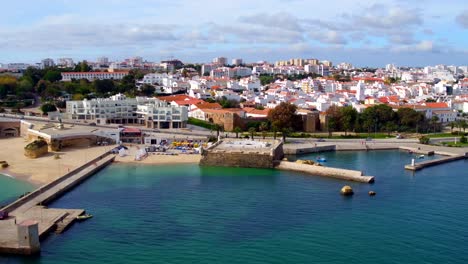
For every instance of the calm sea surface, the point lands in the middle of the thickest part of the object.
(11, 188)
(187, 214)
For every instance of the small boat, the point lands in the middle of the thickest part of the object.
(321, 159)
(84, 217)
(421, 157)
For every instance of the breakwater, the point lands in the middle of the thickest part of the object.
(30, 220)
(342, 174)
(428, 163)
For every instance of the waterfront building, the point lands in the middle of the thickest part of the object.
(159, 114)
(119, 109)
(91, 76)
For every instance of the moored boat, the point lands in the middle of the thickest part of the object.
(84, 217)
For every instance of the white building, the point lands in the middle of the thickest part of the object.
(103, 61)
(236, 62)
(65, 62)
(91, 76)
(160, 115)
(46, 63)
(121, 110)
(220, 60)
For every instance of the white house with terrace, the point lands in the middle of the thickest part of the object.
(119, 109)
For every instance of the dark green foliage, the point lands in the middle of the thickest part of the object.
(201, 123)
(463, 139)
(424, 140)
(52, 76)
(48, 107)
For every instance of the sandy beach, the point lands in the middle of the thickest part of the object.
(45, 169)
(154, 158)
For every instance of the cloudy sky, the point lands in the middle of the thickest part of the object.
(365, 33)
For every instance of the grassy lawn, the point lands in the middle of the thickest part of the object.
(442, 135)
(456, 145)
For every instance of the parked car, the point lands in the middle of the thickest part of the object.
(92, 124)
(321, 140)
(369, 139)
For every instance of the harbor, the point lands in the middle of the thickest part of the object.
(30, 220)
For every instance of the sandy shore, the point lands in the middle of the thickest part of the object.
(45, 169)
(153, 158)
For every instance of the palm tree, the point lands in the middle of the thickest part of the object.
(237, 130)
(452, 125)
(263, 127)
(434, 121)
(252, 130)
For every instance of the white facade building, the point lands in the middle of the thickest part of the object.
(118, 109)
(91, 76)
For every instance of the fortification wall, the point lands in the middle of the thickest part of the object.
(237, 159)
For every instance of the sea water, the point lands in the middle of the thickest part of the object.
(188, 214)
(11, 189)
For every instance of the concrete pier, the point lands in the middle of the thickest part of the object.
(31, 209)
(342, 174)
(428, 163)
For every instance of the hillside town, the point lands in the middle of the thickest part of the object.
(236, 95)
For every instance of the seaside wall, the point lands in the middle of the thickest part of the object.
(349, 175)
(237, 159)
(249, 158)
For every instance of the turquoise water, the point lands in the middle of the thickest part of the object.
(11, 188)
(187, 214)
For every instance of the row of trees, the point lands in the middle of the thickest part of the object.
(379, 118)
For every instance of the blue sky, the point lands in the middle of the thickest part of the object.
(365, 33)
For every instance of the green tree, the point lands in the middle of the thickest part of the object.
(452, 125)
(82, 67)
(237, 130)
(252, 131)
(147, 90)
(264, 128)
(48, 107)
(52, 76)
(282, 116)
(333, 119)
(434, 121)
(409, 118)
(103, 87)
(348, 118)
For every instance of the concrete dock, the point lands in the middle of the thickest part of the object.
(342, 174)
(30, 215)
(428, 163)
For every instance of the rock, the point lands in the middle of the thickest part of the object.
(306, 162)
(285, 159)
(4, 165)
(347, 190)
(372, 193)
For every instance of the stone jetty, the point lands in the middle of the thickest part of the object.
(342, 174)
(30, 220)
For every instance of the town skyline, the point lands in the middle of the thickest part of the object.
(366, 34)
